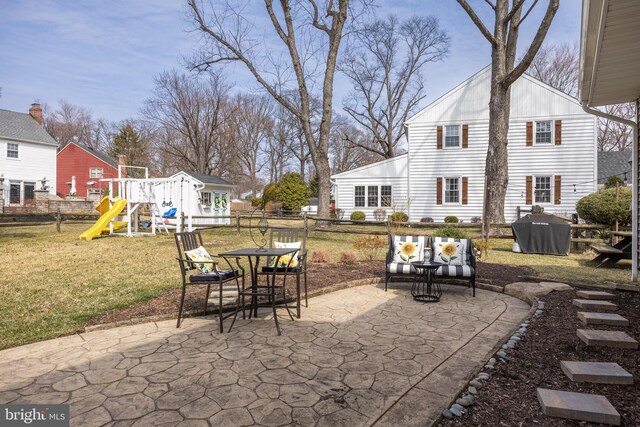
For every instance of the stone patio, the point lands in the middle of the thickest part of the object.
(358, 357)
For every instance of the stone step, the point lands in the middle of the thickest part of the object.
(615, 339)
(595, 295)
(596, 372)
(602, 319)
(578, 406)
(595, 305)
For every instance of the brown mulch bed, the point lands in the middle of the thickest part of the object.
(509, 397)
(319, 276)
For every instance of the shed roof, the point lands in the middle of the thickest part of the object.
(612, 163)
(209, 179)
(23, 127)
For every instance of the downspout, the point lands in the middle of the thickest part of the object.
(634, 173)
(406, 133)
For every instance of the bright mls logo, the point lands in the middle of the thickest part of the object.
(34, 415)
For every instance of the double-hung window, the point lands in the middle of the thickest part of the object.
(543, 189)
(205, 198)
(13, 150)
(452, 190)
(372, 196)
(543, 132)
(359, 196)
(385, 196)
(95, 173)
(452, 136)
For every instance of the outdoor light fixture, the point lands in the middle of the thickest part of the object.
(263, 226)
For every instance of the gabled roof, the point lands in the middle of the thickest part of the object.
(480, 74)
(101, 155)
(400, 158)
(209, 179)
(22, 127)
(613, 163)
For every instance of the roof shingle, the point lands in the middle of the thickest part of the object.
(612, 163)
(23, 127)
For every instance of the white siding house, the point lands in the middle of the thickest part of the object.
(552, 154)
(27, 156)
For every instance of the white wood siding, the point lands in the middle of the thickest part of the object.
(35, 162)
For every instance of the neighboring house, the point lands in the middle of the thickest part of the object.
(202, 196)
(88, 166)
(614, 163)
(552, 156)
(27, 156)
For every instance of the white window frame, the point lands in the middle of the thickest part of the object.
(377, 199)
(204, 195)
(6, 153)
(356, 195)
(535, 186)
(390, 196)
(444, 190)
(444, 142)
(535, 133)
(93, 176)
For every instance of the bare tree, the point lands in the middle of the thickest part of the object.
(508, 17)
(310, 32)
(73, 123)
(277, 151)
(190, 114)
(558, 66)
(252, 127)
(346, 146)
(384, 63)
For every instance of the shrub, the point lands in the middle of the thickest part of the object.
(483, 247)
(537, 209)
(371, 247)
(612, 181)
(426, 219)
(320, 257)
(292, 191)
(399, 217)
(475, 220)
(451, 219)
(256, 202)
(348, 257)
(451, 231)
(601, 207)
(380, 214)
(358, 216)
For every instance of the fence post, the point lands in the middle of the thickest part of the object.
(306, 222)
(58, 220)
(238, 222)
(181, 222)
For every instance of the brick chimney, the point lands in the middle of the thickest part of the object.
(122, 161)
(36, 112)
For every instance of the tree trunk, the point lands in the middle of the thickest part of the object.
(324, 186)
(497, 163)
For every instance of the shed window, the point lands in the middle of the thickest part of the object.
(452, 190)
(543, 189)
(385, 196)
(543, 132)
(372, 196)
(452, 136)
(13, 151)
(95, 172)
(359, 192)
(205, 198)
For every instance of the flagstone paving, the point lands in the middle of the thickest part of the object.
(359, 356)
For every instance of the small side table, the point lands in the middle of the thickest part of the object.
(424, 287)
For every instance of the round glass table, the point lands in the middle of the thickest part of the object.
(424, 287)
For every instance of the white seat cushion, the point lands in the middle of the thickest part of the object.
(400, 268)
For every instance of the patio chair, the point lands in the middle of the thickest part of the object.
(189, 241)
(290, 236)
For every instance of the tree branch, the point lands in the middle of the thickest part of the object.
(476, 20)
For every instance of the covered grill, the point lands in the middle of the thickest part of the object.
(542, 234)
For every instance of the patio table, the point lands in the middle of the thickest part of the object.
(425, 288)
(254, 255)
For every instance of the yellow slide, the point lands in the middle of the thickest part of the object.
(103, 221)
(102, 208)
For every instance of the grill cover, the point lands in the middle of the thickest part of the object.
(542, 234)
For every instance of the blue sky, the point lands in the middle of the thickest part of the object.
(104, 54)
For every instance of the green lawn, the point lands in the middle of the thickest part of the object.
(52, 283)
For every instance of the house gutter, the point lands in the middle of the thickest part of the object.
(634, 173)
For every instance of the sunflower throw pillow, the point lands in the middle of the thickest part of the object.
(285, 259)
(450, 253)
(198, 255)
(407, 252)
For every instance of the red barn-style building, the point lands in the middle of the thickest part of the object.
(88, 166)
